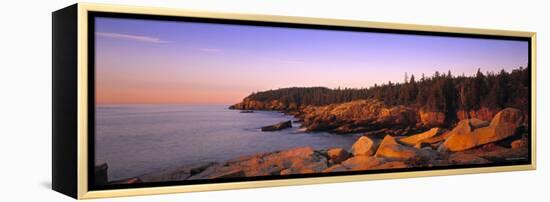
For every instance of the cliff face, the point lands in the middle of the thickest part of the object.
(483, 113)
(275, 105)
(359, 116)
(366, 115)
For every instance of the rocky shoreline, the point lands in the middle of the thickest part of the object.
(472, 141)
(369, 116)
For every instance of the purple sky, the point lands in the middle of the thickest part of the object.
(149, 61)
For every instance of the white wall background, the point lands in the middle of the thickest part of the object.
(25, 104)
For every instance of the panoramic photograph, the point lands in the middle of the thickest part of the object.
(183, 101)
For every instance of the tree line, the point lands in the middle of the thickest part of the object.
(441, 92)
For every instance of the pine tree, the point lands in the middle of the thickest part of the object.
(441, 92)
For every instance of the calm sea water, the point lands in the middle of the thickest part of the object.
(140, 139)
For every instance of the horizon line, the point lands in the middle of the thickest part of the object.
(335, 88)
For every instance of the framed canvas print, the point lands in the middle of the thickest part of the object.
(151, 101)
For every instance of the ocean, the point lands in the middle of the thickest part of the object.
(139, 139)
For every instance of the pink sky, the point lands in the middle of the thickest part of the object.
(154, 62)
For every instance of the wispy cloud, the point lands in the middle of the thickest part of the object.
(210, 49)
(146, 39)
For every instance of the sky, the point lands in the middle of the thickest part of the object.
(168, 62)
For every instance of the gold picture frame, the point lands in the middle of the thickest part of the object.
(75, 182)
